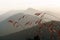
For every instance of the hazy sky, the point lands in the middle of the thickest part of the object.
(52, 5)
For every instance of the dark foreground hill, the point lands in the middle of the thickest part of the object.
(29, 33)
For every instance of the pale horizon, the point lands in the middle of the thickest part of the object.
(50, 5)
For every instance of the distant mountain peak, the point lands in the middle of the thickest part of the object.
(30, 9)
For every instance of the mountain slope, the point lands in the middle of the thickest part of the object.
(6, 27)
(19, 24)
